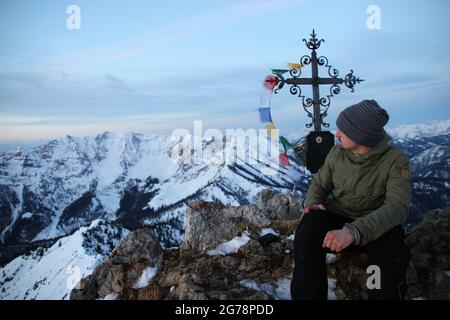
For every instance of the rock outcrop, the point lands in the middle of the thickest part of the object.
(254, 270)
(428, 275)
(208, 224)
(429, 271)
(138, 250)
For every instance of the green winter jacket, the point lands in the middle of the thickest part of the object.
(372, 188)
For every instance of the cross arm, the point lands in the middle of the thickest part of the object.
(312, 81)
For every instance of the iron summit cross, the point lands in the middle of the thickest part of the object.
(318, 143)
(315, 81)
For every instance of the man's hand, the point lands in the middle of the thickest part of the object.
(337, 240)
(312, 207)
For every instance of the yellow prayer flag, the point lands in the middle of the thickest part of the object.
(270, 127)
(296, 66)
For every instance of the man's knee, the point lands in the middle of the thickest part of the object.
(312, 218)
(309, 226)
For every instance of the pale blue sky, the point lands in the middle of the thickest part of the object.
(154, 66)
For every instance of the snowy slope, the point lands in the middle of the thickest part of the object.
(52, 273)
(56, 188)
(411, 131)
(433, 162)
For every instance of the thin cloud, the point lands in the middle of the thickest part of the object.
(117, 83)
(161, 36)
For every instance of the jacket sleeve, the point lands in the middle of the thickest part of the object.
(394, 211)
(321, 184)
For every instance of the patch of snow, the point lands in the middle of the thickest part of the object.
(331, 258)
(145, 277)
(331, 289)
(283, 289)
(27, 215)
(291, 237)
(279, 291)
(251, 284)
(265, 231)
(230, 247)
(111, 296)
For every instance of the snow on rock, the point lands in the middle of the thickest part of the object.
(27, 215)
(111, 296)
(230, 247)
(265, 231)
(279, 290)
(331, 258)
(146, 276)
(331, 289)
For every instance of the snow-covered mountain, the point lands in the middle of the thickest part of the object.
(430, 165)
(52, 190)
(52, 273)
(411, 131)
(404, 132)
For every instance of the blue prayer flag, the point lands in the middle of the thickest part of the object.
(264, 115)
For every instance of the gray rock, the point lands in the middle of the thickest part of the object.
(140, 245)
(137, 251)
(279, 206)
(208, 224)
(429, 243)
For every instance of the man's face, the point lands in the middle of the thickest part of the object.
(345, 142)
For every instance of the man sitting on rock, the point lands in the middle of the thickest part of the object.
(370, 185)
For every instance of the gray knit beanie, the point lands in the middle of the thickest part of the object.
(363, 122)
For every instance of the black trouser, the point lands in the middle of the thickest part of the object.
(309, 279)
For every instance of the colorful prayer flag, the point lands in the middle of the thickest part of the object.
(265, 98)
(270, 82)
(279, 72)
(270, 127)
(264, 115)
(284, 159)
(286, 144)
(296, 66)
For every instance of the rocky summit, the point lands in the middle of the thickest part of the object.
(246, 252)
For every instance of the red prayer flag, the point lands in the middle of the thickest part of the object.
(270, 82)
(284, 160)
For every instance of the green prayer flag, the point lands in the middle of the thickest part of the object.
(286, 144)
(279, 72)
